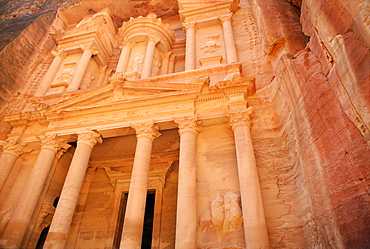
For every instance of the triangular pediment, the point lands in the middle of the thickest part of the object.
(118, 92)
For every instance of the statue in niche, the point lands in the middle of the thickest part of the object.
(87, 81)
(156, 66)
(222, 224)
(135, 65)
(67, 73)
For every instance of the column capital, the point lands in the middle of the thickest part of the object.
(153, 39)
(240, 118)
(91, 47)
(188, 125)
(89, 138)
(127, 43)
(13, 147)
(148, 130)
(189, 25)
(54, 143)
(59, 53)
(227, 17)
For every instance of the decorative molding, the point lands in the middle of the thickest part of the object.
(240, 118)
(188, 125)
(89, 138)
(148, 130)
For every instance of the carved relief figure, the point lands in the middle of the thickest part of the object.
(135, 65)
(222, 223)
(211, 45)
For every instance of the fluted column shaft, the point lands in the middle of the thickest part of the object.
(186, 221)
(227, 28)
(190, 46)
(60, 225)
(135, 211)
(12, 150)
(81, 68)
(50, 74)
(21, 216)
(124, 57)
(148, 59)
(255, 229)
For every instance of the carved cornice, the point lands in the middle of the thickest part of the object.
(54, 143)
(148, 130)
(89, 138)
(188, 125)
(240, 118)
(13, 147)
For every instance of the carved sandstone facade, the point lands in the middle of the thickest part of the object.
(162, 131)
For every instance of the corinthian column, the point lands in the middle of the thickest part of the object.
(253, 213)
(134, 216)
(190, 46)
(186, 222)
(124, 56)
(50, 74)
(89, 51)
(59, 229)
(12, 150)
(227, 28)
(21, 216)
(148, 59)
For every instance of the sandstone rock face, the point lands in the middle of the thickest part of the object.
(303, 65)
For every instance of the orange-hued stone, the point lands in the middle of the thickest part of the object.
(262, 107)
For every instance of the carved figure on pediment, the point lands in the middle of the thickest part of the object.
(221, 225)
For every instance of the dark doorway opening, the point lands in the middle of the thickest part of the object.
(121, 217)
(148, 221)
(42, 238)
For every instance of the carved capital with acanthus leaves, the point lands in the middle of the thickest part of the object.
(189, 25)
(188, 125)
(240, 118)
(90, 138)
(148, 130)
(59, 53)
(13, 147)
(227, 17)
(152, 38)
(54, 143)
(91, 47)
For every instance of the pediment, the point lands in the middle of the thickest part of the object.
(114, 93)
